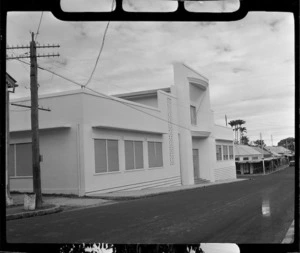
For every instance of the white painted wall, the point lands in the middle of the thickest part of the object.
(146, 100)
(60, 167)
(125, 123)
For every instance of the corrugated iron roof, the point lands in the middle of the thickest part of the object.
(278, 149)
(245, 150)
(264, 152)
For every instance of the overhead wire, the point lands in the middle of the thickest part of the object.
(101, 48)
(106, 96)
(109, 97)
(38, 29)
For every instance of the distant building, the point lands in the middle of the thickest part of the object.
(92, 144)
(255, 160)
(282, 151)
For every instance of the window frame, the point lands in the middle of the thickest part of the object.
(220, 154)
(231, 154)
(193, 114)
(134, 142)
(107, 156)
(225, 154)
(157, 164)
(16, 176)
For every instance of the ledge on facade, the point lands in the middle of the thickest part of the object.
(41, 128)
(129, 129)
(201, 84)
(200, 134)
(223, 139)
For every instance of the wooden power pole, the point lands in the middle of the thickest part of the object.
(36, 170)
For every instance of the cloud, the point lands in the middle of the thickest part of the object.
(251, 59)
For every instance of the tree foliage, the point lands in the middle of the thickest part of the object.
(260, 143)
(288, 143)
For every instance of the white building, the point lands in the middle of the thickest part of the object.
(93, 144)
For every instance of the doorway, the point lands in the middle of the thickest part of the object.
(196, 163)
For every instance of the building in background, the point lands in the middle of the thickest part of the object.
(256, 160)
(91, 143)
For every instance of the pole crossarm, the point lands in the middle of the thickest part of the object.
(36, 46)
(47, 46)
(27, 106)
(38, 55)
(18, 47)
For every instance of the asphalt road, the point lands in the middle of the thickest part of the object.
(253, 211)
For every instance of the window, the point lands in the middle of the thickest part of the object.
(231, 152)
(237, 158)
(225, 152)
(155, 154)
(255, 158)
(193, 115)
(134, 155)
(106, 156)
(245, 158)
(219, 153)
(20, 160)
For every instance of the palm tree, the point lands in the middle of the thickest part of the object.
(242, 131)
(240, 122)
(233, 124)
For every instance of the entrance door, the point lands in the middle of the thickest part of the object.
(196, 163)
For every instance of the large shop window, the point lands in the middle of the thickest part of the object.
(106, 156)
(20, 160)
(225, 152)
(134, 155)
(219, 152)
(155, 154)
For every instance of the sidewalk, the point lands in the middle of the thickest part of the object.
(57, 203)
(149, 192)
(52, 204)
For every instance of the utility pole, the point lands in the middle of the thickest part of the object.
(36, 170)
(272, 140)
(260, 140)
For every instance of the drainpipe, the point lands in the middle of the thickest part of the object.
(78, 159)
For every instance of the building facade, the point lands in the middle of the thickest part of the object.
(91, 143)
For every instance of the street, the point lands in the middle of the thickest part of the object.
(259, 210)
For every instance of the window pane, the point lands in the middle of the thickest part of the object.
(158, 151)
(100, 156)
(113, 155)
(225, 152)
(138, 148)
(11, 161)
(151, 154)
(24, 159)
(230, 152)
(129, 156)
(219, 152)
(193, 115)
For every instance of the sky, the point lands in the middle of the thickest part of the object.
(249, 63)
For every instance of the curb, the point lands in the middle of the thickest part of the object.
(164, 192)
(22, 215)
(289, 237)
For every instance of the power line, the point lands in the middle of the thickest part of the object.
(101, 48)
(37, 32)
(109, 97)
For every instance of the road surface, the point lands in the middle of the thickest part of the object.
(252, 211)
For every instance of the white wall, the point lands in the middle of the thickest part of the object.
(59, 146)
(146, 100)
(225, 169)
(125, 123)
